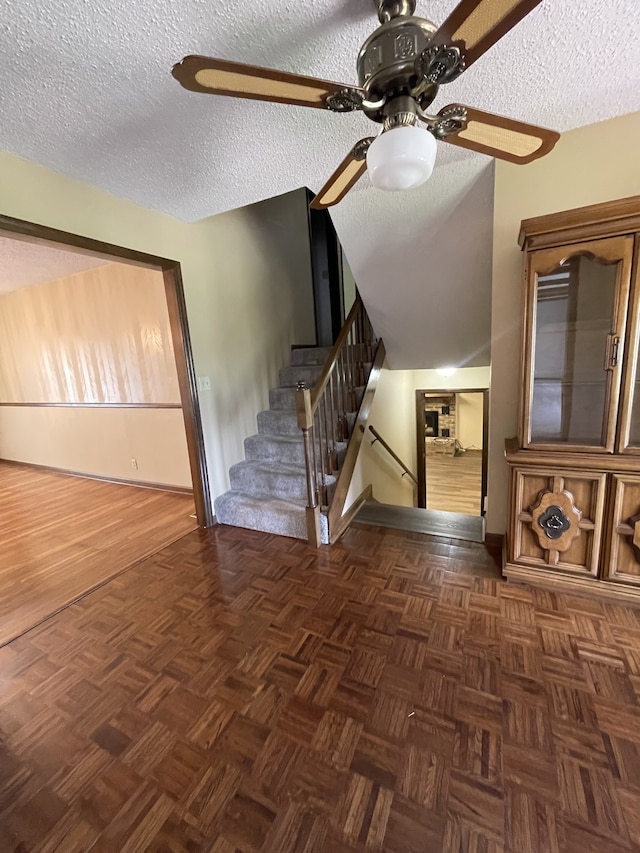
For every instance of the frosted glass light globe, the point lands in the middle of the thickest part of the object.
(402, 158)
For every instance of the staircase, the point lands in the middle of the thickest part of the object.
(269, 489)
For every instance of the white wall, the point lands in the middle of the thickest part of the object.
(246, 277)
(589, 165)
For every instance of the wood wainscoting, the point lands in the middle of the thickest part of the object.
(62, 536)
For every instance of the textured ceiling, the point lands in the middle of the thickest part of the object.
(86, 90)
(23, 264)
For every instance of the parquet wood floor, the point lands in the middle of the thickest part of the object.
(454, 483)
(244, 692)
(61, 536)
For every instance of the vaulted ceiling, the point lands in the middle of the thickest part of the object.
(86, 90)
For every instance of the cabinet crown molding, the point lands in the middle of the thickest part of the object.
(621, 216)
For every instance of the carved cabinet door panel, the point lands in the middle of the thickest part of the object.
(556, 519)
(623, 552)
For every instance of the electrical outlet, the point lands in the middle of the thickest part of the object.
(134, 464)
(204, 383)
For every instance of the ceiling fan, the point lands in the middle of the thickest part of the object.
(400, 69)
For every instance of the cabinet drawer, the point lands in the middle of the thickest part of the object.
(556, 519)
(623, 552)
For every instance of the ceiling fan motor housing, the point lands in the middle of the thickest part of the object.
(387, 64)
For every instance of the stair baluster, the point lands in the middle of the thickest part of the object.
(327, 412)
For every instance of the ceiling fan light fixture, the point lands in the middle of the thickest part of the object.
(401, 158)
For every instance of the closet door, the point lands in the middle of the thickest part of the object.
(575, 316)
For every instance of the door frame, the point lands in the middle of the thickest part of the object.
(421, 455)
(176, 306)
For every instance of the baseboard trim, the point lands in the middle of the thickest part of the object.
(494, 540)
(559, 581)
(160, 487)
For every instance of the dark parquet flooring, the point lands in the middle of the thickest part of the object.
(242, 692)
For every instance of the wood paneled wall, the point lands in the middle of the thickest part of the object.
(100, 336)
(88, 381)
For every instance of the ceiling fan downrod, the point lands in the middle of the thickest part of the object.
(389, 9)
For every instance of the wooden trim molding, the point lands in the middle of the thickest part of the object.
(420, 395)
(516, 455)
(346, 472)
(606, 219)
(34, 232)
(189, 394)
(122, 481)
(345, 520)
(571, 583)
(494, 540)
(91, 405)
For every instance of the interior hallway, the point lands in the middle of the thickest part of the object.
(61, 536)
(241, 691)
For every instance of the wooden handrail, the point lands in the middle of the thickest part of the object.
(330, 365)
(379, 438)
(325, 414)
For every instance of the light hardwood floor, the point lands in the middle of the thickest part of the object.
(454, 482)
(61, 536)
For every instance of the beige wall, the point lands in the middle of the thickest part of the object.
(99, 441)
(469, 420)
(393, 414)
(589, 165)
(246, 277)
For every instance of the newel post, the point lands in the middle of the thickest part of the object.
(305, 422)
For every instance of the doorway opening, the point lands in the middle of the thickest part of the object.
(452, 451)
(101, 446)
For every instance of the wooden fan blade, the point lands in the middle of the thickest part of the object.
(502, 137)
(220, 77)
(480, 23)
(345, 176)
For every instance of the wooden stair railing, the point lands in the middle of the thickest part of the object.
(323, 416)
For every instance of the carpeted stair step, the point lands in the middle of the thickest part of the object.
(282, 448)
(285, 397)
(274, 448)
(310, 355)
(290, 376)
(278, 422)
(280, 480)
(269, 489)
(284, 518)
(282, 397)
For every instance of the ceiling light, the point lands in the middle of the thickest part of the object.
(401, 158)
(446, 371)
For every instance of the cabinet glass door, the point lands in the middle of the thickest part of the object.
(576, 314)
